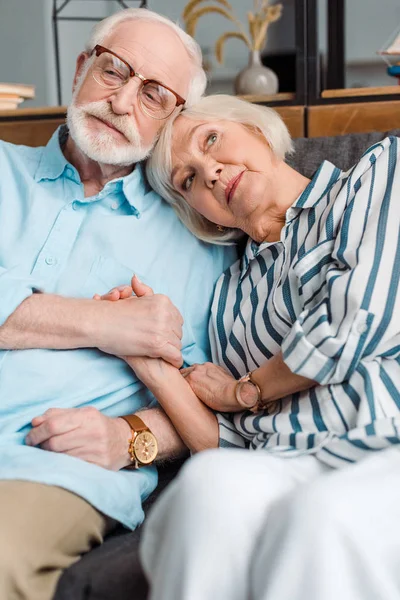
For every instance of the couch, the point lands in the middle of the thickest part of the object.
(112, 571)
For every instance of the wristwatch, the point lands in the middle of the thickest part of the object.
(143, 448)
(243, 388)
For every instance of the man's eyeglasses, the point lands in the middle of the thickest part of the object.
(113, 72)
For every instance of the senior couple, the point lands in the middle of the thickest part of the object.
(303, 337)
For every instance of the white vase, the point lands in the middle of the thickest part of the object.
(256, 79)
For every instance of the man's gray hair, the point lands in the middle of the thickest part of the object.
(103, 29)
(213, 108)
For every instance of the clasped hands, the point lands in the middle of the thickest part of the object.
(88, 434)
(212, 384)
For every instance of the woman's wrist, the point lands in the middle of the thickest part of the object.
(247, 393)
(258, 379)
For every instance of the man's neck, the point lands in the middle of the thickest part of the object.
(94, 175)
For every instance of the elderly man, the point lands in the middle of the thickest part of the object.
(78, 218)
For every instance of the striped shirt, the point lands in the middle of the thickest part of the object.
(327, 296)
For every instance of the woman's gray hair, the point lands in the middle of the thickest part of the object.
(213, 108)
(103, 29)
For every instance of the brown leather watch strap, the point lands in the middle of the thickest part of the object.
(135, 423)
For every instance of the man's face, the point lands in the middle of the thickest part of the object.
(109, 125)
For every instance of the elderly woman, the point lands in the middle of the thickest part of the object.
(306, 346)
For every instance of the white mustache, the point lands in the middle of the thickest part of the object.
(125, 125)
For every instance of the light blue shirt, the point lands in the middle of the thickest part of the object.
(327, 296)
(54, 239)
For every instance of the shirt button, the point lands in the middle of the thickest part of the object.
(50, 260)
(114, 205)
(75, 206)
(362, 328)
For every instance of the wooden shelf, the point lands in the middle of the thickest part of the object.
(282, 97)
(355, 117)
(42, 112)
(30, 126)
(364, 91)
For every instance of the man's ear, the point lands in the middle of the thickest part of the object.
(80, 62)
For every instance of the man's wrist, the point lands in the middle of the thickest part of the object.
(125, 435)
(95, 313)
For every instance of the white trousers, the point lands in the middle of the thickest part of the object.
(241, 525)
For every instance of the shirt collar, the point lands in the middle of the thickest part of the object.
(136, 188)
(53, 163)
(320, 185)
(325, 177)
(252, 250)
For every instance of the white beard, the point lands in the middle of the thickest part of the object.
(102, 147)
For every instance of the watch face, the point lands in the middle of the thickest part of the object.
(145, 447)
(246, 394)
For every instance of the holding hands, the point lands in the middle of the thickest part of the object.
(146, 324)
(144, 366)
(213, 385)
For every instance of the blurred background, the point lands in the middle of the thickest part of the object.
(27, 52)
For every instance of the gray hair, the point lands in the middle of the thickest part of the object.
(103, 29)
(213, 108)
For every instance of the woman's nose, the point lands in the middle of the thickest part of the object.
(213, 173)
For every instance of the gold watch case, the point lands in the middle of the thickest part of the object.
(145, 448)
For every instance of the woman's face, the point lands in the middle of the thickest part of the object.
(224, 171)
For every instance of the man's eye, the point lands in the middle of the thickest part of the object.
(111, 74)
(212, 138)
(187, 183)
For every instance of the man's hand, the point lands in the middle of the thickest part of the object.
(84, 433)
(213, 385)
(147, 324)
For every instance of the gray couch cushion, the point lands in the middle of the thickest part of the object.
(343, 150)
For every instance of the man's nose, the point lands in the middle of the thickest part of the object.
(124, 101)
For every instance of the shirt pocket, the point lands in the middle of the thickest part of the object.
(311, 271)
(106, 273)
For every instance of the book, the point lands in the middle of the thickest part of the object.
(19, 89)
(4, 96)
(10, 103)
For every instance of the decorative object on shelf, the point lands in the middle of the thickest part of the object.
(391, 49)
(255, 78)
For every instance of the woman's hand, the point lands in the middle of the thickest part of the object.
(213, 385)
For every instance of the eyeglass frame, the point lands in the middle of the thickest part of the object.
(99, 50)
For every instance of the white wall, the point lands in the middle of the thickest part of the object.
(27, 44)
(23, 46)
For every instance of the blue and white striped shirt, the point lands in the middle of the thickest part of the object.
(327, 295)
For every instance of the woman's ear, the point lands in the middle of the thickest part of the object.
(80, 63)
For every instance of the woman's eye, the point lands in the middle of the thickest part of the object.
(187, 183)
(212, 138)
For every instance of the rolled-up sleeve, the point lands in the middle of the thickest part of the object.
(14, 289)
(356, 318)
